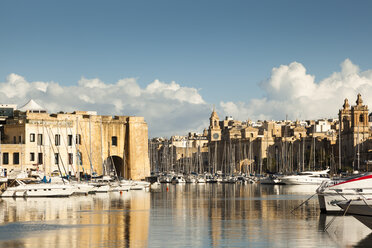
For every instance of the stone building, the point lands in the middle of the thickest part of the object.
(355, 133)
(276, 146)
(71, 143)
(179, 153)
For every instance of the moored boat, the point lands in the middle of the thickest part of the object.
(21, 189)
(329, 193)
(307, 177)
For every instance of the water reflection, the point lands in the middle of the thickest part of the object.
(346, 231)
(88, 221)
(196, 215)
(234, 215)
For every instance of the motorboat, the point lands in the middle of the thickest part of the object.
(360, 206)
(307, 177)
(190, 179)
(331, 192)
(83, 188)
(140, 185)
(21, 189)
(178, 179)
(102, 185)
(200, 179)
(210, 179)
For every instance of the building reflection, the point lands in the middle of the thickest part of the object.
(191, 215)
(96, 220)
(219, 214)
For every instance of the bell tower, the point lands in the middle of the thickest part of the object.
(345, 117)
(359, 121)
(214, 130)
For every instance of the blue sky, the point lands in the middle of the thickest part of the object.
(225, 49)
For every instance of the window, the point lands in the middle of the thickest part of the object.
(32, 137)
(70, 158)
(5, 158)
(69, 140)
(114, 141)
(56, 158)
(40, 139)
(19, 139)
(32, 156)
(14, 140)
(361, 118)
(40, 158)
(16, 158)
(78, 139)
(57, 139)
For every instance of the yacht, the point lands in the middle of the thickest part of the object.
(329, 193)
(306, 177)
(21, 189)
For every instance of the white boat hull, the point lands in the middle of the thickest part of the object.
(39, 190)
(329, 195)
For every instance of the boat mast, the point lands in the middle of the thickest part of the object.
(77, 140)
(303, 153)
(314, 146)
(90, 144)
(339, 146)
(104, 171)
(358, 154)
(1, 155)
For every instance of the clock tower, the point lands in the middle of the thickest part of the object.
(214, 131)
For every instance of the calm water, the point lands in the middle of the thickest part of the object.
(179, 216)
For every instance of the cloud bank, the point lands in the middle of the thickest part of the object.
(168, 108)
(171, 109)
(290, 91)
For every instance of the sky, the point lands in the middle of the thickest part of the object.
(171, 61)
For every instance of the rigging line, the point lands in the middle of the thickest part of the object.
(65, 144)
(85, 145)
(59, 157)
(75, 145)
(303, 202)
(340, 212)
(57, 147)
(59, 169)
(116, 173)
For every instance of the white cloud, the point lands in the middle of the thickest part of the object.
(291, 91)
(168, 108)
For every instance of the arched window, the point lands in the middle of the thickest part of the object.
(215, 123)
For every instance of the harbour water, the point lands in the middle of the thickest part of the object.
(191, 215)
